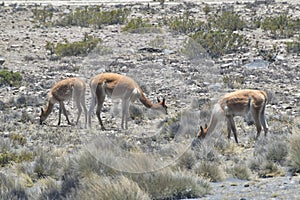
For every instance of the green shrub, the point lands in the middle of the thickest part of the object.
(9, 157)
(42, 15)
(184, 24)
(81, 48)
(217, 36)
(138, 25)
(206, 9)
(93, 16)
(218, 43)
(10, 78)
(233, 81)
(227, 21)
(281, 26)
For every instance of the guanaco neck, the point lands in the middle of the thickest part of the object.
(215, 118)
(48, 109)
(145, 101)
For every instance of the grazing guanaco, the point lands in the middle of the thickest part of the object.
(238, 103)
(62, 91)
(120, 87)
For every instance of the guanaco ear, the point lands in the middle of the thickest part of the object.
(205, 126)
(200, 132)
(42, 110)
(164, 102)
(158, 100)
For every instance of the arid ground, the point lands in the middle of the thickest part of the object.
(36, 160)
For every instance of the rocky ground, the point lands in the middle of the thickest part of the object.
(188, 85)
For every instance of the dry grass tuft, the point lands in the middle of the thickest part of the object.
(117, 188)
(294, 151)
(167, 184)
(209, 170)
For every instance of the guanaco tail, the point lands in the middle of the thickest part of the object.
(62, 91)
(238, 103)
(120, 87)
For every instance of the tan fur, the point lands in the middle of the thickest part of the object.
(239, 103)
(62, 91)
(121, 87)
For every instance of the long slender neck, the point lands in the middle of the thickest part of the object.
(145, 101)
(216, 117)
(48, 110)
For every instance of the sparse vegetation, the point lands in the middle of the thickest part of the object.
(43, 15)
(9, 157)
(294, 46)
(171, 185)
(85, 16)
(184, 24)
(49, 162)
(217, 36)
(10, 78)
(139, 25)
(218, 43)
(294, 152)
(227, 21)
(19, 139)
(233, 81)
(209, 170)
(241, 171)
(281, 26)
(80, 48)
(94, 16)
(118, 188)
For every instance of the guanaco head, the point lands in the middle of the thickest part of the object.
(161, 105)
(202, 132)
(42, 116)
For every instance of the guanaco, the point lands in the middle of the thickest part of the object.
(238, 103)
(62, 91)
(121, 87)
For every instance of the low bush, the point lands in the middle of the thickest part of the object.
(138, 25)
(209, 170)
(93, 16)
(294, 152)
(227, 21)
(187, 160)
(45, 165)
(10, 78)
(281, 26)
(80, 48)
(166, 184)
(218, 43)
(9, 157)
(240, 171)
(184, 24)
(294, 46)
(117, 188)
(11, 189)
(270, 154)
(19, 139)
(43, 15)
